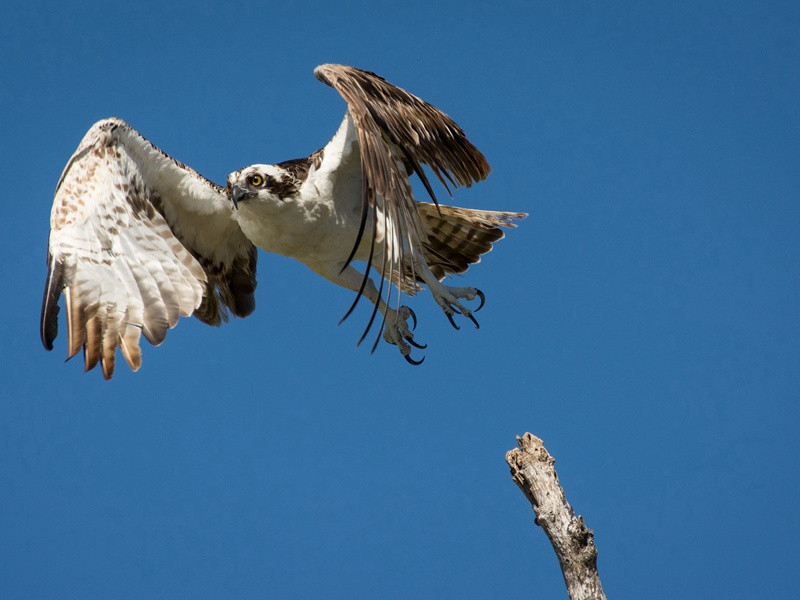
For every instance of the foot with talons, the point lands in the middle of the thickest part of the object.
(399, 334)
(447, 298)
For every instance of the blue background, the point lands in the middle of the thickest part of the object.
(643, 321)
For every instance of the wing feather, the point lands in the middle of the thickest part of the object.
(397, 133)
(137, 240)
(76, 324)
(130, 331)
(94, 333)
(52, 290)
(392, 121)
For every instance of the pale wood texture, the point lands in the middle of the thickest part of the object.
(532, 470)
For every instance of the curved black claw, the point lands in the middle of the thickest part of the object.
(471, 318)
(483, 300)
(411, 341)
(413, 316)
(411, 361)
(453, 323)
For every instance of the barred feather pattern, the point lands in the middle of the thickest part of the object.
(457, 237)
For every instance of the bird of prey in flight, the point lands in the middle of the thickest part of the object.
(138, 239)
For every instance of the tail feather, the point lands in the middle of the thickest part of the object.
(457, 237)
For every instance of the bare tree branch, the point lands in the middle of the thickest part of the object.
(532, 470)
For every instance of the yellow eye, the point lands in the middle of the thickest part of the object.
(256, 180)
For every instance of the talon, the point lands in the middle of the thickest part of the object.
(471, 318)
(411, 341)
(480, 295)
(413, 316)
(453, 323)
(411, 361)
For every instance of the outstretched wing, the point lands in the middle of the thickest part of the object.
(138, 239)
(397, 132)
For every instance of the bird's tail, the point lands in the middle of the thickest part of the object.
(458, 236)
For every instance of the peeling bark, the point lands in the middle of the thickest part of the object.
(533, 471)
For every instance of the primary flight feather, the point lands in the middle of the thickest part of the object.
(138, 239)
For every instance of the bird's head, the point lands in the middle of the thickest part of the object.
(262, 183)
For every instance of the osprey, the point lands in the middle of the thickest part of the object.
(139, 239)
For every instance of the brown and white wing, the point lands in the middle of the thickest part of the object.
(137, 240)
(397, 133)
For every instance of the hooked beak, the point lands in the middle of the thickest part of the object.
(238, 194)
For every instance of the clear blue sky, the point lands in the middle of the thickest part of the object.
(643, 321)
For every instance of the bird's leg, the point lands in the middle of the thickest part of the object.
(396, 330)
(447, 296)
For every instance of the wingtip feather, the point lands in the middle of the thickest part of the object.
(76, 324)
(52, 292)
(94, 337)
(129, 345)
